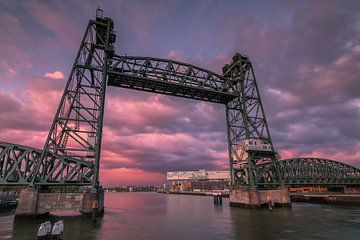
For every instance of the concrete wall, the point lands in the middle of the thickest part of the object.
(352, 190)
(49, 202)
(242, 197)
(33, 203)
(277, 196)
(27, 202)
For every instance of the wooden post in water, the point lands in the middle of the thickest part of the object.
(217, 198)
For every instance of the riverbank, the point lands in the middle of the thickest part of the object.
(327, 198)
(226, 195)
(323, 198)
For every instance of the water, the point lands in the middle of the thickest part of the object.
(165, 216)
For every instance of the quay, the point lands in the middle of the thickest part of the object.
(195, 193)
(327, 198)
(333, 198)
(35, 202)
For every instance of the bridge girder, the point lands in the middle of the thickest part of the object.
(298, 172)
(169, 77)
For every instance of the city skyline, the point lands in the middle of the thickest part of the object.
(305, 55)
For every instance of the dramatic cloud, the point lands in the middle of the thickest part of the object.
(306, 56)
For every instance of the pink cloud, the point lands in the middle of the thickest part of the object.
(14, 58)
(138, 113)
(12, 26)
(123, 176)
(175, 54)
(54, 75)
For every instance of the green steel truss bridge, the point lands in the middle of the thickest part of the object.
(71, 153)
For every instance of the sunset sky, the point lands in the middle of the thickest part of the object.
(306, 56)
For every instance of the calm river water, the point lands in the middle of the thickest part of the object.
(165, 216)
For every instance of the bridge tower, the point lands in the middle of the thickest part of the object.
(71, 152)
(251, 152)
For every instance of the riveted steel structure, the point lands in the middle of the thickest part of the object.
(245, 119)
(71, 153)
(72, 149)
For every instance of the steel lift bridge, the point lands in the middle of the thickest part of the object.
(71, 153)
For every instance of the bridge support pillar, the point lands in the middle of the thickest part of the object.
(256, 198)
(33, 202)
(27, 202)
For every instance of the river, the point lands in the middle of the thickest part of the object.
(166, 216)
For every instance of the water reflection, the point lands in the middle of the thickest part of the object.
(260, 223)
(163, 216)
(302, 221)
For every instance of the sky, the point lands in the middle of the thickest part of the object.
(306, 57)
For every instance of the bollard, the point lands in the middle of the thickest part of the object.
(61, 227)
(42, 232)
(217, 198)
(57, 231)
(48, 229)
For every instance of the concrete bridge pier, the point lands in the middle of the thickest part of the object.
(256, 198)
(33, 202)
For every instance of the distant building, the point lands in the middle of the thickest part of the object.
(201, 180)
(202, 174)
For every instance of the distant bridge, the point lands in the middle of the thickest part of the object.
(297, 172)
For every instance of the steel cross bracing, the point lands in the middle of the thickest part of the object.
(17, 163)
(245, 118)
(17, 167)
(72, 149)
(169, 77)
(71, 154)
(298, 172)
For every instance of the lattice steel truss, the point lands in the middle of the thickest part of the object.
(169, 77)
(72, 149)
(297, 172)
(17, 163)
(246, 119)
